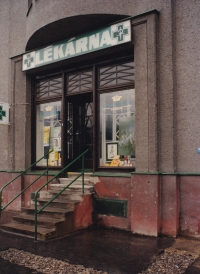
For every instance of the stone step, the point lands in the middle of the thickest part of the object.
(27, 219)
(42, 233)
(75, 174)
(62, 203)
(56, 219)
(77, 187)
(53, 212)
(65, 195)
(67, 181)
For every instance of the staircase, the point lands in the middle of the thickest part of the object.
(71, 211)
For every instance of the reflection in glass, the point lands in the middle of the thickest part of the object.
(48, 133)
(117, 128)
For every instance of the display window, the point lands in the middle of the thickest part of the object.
(48, 133)
(95, 108)
(48, 98)
(117, 128)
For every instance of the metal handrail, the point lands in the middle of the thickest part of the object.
(52, 199)
(21, 173)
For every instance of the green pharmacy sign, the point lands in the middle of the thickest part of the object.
(103, 38)
(4, 113)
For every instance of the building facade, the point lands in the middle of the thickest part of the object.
(120, 79)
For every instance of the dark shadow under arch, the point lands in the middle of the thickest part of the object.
(69, 27)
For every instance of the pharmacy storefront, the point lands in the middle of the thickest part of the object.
(96, 91)
(83, 94)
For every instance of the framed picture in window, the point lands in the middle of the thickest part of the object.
(111, 151)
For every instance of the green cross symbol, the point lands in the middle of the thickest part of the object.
(2, 113)
(28, 60)
(120, 33)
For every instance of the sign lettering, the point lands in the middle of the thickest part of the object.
(83, 44)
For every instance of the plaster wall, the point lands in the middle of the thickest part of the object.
(145, 200)
(18, 20)
(4, 49)
(43, 14)
(189, 206)
(114, 188)
(20, 119)
(26, 181)
(187, 83)
(4, 76)
(11, 191)
(169, 205)
(165, 204)
(12, 42)
(177, 64)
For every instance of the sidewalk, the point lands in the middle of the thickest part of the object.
(111, 251)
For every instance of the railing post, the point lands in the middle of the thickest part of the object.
(83, 158)
(47, 172)
(36, 217)
(23, 172)
(0, 202)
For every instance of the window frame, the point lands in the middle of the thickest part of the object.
(36, 101)
(110, 89)
(96, 91)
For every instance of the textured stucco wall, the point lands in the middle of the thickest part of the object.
(45, 12)
(18, 20)
(4, 83)
(187, 89)
(177, 68)
(105, 189)
(144, 33)
(189, 206)
(20, 119)
(12, 42)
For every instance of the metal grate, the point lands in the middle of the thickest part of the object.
(110, 207)
(88, 132)
(116, 75)
(79, 82)
(48, 87)
(69, 131)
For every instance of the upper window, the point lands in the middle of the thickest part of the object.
(114, 109)
(49, 87)
(49, 119)
(117, 128)
(79, 82)
(117, 115)
(116, 75)
(48, 133)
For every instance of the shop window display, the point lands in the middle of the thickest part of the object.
(117, 128)
(114, 85)
(48, 133)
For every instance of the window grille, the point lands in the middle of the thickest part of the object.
(116, 75)
(79, 82)
(49, 87)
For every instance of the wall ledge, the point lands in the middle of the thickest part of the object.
(110, 174)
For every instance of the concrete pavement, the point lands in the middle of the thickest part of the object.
(113, 251)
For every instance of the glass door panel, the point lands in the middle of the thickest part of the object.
(80, 128)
